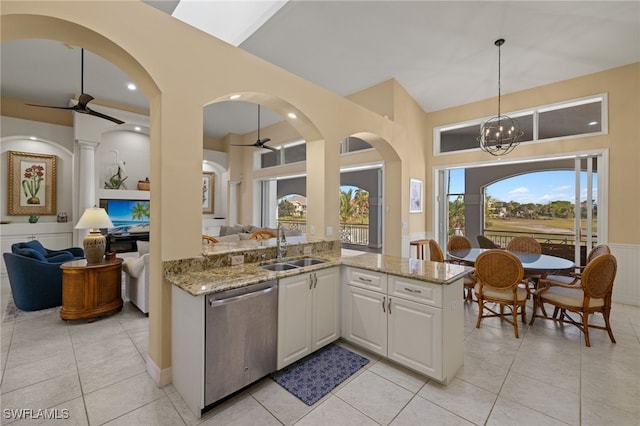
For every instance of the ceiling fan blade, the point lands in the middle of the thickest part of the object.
(250, 144)
(101, 115)
(84, 99)
(268, 147)
(261, 142)
(50, 106)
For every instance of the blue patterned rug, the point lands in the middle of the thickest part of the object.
(314, 376)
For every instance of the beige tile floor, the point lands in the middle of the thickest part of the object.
(96, 371)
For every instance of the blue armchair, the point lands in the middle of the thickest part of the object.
(35, 276)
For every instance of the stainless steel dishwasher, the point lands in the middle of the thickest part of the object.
(241, 338)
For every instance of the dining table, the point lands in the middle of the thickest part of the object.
(532, 263)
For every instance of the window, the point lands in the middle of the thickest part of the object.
(289, 153)
(352, 144)
(568, 119)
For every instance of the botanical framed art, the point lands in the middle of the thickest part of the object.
(207, 192)
(415, 196)
(31, 183)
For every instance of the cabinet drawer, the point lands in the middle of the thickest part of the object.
(363, 278)
(419, 291)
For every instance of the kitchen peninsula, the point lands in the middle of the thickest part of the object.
(406, 310)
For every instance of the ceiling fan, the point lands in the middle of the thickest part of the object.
(260, 143)
(81, 107)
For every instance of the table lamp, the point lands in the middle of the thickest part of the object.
(94, 243)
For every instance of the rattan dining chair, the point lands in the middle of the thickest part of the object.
(498, 274)
(592, 295)
(459, 242)
(435, 252)
(574, 277)
(524, 245)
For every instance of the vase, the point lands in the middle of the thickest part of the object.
(33, 218)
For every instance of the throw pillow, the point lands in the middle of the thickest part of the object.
(143, 247)
(29, 252)
(34, 245)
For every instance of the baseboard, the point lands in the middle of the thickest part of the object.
(161, 377)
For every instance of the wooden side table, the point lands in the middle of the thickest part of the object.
(91, 290)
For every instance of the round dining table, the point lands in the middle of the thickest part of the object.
(531, 262)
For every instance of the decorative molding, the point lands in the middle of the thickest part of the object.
(626, 287)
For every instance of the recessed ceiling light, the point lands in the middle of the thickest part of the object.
(292, 115)
(593, 123)
(131, 86)
(232, 97)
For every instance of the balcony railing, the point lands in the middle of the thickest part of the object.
(349, 233)
(561, 245)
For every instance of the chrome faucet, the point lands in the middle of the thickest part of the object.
(281, 242)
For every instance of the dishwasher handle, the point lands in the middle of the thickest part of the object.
(218, 302)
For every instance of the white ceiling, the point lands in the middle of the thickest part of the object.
(441, 52)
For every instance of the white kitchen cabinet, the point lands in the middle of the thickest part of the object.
(308, 313)
(414, 335)
(412, 322)
(54, 236)
(365, 319)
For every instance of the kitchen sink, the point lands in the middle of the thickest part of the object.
(306, 261)
(279, 267)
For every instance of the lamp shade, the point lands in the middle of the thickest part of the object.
(94, 218)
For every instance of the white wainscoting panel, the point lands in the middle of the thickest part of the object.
(626, 288)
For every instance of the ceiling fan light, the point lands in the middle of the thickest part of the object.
(234, 97)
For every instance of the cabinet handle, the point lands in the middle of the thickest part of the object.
(315, 280)
(413, 291)
(389, 306)
(310, 281)
(366, 280)
(384, 300)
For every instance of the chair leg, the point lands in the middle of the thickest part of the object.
(480, 310)
(555, 312)
(605, 314)
(524, 314)
(585, 327)
(514, 309)
(535, 310)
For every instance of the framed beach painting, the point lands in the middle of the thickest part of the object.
(207, 192)
(415, 196)
(31, 183)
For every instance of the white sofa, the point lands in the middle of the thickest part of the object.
(137, 277)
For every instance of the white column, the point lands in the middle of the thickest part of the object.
(232, 217)
(86, 183)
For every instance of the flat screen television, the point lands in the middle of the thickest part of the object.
(128, 216)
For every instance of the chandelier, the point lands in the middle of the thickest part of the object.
(499, 135)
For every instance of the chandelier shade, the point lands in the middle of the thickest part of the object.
(499, 135)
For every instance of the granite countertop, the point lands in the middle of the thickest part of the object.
(213, 280)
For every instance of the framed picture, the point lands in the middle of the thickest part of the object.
(31, 183)
(415, 196)
(207, 192)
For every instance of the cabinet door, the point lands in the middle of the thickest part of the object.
(326, 307)
(415, 336)
(366, 319)
(294, 318)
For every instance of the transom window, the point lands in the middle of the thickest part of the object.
(569, 119)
